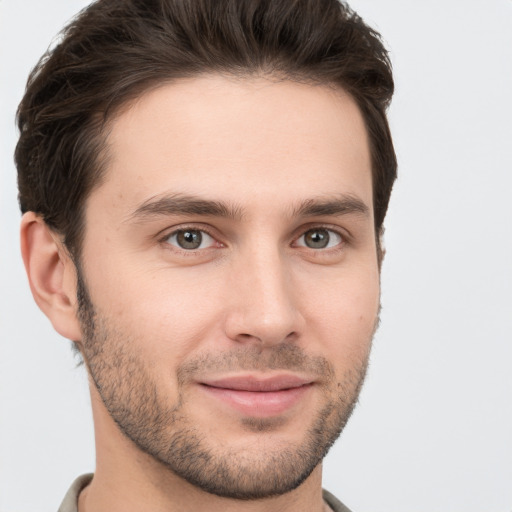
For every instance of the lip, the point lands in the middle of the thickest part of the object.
(256, 396)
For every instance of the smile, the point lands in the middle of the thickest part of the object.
(256, 397)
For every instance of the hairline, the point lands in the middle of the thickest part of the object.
(101, 124)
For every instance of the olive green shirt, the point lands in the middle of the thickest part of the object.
(70, 503)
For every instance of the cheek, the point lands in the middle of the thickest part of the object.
(166, 313)
(343, 312)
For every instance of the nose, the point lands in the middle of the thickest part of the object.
(263, 304)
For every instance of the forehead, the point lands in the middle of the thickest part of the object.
(236, 139)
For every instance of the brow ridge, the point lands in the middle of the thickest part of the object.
(331, 206)
(182, 204)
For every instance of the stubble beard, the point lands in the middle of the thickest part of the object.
(136, 404)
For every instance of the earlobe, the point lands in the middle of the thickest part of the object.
(51, 274)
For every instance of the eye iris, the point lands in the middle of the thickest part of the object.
(189, 239)
(317, 239)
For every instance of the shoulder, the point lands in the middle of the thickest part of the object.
(334, 502)
(70, 502)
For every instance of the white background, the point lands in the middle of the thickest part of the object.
(433, 431)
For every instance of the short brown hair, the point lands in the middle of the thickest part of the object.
(116, 49)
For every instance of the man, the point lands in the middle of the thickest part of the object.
(204, 185)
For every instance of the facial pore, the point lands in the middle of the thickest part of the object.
(132, 397)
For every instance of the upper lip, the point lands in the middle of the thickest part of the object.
(257, 383)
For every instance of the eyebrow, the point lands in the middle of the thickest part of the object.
(331, 206)
(182, 204)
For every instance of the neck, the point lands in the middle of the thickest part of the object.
(128, 480)
(113, 493)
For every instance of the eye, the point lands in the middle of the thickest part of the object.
(191, 239)
(319, 238)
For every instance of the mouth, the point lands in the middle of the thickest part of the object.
(258, 397)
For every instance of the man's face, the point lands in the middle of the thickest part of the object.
(230, 279)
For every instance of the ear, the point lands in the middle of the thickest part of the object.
(51, 274)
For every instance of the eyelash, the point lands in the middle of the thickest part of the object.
(202, 229)
(342, 237)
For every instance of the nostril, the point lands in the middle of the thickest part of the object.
(267, 339)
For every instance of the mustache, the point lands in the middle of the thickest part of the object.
(252, 358)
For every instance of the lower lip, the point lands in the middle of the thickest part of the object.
(261, 404)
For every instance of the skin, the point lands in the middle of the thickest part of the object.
(253, 300)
